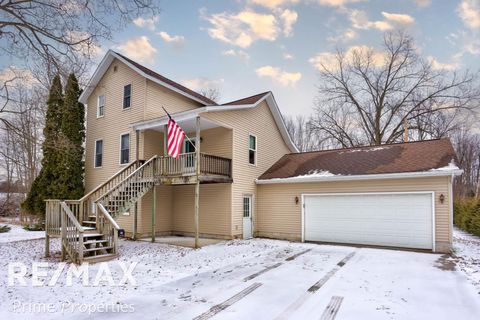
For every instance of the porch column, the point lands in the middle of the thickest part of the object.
(154, 211)
(197, 184)
(137, 145)
(165, 134)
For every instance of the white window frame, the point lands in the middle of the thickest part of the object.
(95, 153)
(98, 106)
(123, 96)
(255, 150)
(120, 148)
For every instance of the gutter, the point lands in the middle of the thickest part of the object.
(306, 178)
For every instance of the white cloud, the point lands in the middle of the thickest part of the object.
(469, 12)
(288, 17)
(346, 36)
(288, 56)
(177, 41)
(14, 75)
(337, 3)
(148, 23)
(329, 60)
(139, 49)
(360, 20)
(243, 28)
(236, 53)
(467, 41)
(202, 83)
(278, 75)
(437, 65)
(423, 3)
(402, 19)
(272, 4)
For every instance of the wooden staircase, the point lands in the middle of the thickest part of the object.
(87, 226)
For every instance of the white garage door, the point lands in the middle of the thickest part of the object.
(399, 219)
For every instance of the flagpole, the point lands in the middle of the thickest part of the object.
(186, 136)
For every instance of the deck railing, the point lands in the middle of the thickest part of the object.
(185, 165)
(72, 234)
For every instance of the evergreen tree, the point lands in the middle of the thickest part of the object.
(46, 185)
(72, 138)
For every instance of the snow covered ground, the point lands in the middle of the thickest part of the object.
(256, 279)
(17, 233)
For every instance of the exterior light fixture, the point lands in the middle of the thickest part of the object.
(296, 200)
(442, 198)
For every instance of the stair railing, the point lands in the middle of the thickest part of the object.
(129, 188)
(108, 227)
(72, 235)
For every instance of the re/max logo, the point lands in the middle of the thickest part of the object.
(42, 274)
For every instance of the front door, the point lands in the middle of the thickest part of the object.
(247, 217)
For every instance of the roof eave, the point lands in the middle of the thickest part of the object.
(402, 175)
(105, 63)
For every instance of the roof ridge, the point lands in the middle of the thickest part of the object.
(245, 98)
(368, 147)
(168, 80)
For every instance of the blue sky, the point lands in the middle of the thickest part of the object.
(248, 46)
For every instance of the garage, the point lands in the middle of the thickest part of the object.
(400, 219)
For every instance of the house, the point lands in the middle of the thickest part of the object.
(239, 175)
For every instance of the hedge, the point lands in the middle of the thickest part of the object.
(466, 215)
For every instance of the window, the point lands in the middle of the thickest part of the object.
(252, 150)
(247, 206)
(125, 148)
(98, 153)
(127, 92)
(101, 106)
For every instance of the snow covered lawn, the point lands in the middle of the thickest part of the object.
(17, 233)
(467, 255)
(256, 279)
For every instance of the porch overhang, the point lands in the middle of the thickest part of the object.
(186, 119)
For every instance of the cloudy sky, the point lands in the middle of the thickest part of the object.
(248, 46)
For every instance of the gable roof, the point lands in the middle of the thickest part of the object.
(143, 71)
(435, 157)
(248, 100)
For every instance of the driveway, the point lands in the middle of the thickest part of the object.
(259, 279)
(315, 280)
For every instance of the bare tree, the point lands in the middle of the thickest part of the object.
(211, 93)
(366, 96)
(303, 135)
(56, 35)
(467, 147)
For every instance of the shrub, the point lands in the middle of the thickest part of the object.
(466, 215)
(4, 229)
(34, 227)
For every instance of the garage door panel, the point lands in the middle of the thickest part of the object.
(403, 220)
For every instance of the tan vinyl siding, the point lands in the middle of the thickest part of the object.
(278, 215)
(164, 213)
(215, 212)
(270, 147)
(158, 97)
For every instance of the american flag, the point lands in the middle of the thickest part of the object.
(175, 136)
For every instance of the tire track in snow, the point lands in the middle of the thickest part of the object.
(304, 297)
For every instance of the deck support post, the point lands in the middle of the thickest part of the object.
(165, 135)
(137, 145)
(47, 245)
(197, 184)
(135, 209)
(154, 210)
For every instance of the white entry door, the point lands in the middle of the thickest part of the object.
(384, 219)
(247, 217)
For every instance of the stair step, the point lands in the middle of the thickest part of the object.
(92, 217)
(88, 228)
(97, 249)
(92, 235)
(100, 258)
(89, 222)
(94, 241)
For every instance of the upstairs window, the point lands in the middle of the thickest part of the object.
(127, 96)
(101, 106)
(98, 153)
(125, 148)
(252, 149)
